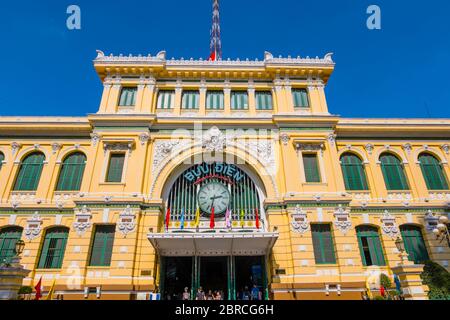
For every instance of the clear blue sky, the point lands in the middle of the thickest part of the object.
(400, 71)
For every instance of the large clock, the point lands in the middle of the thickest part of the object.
(214, 194)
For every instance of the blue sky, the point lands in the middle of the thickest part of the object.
(399, 71)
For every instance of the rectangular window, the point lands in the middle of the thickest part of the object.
(166, 99)
(115, 168)
(311, 166)
(128, 97)
(191, 100)
(300, 97)
(264, 100)
(323, 244)
(239, 100)
(102, 246)
(53, 250)
(214, 100)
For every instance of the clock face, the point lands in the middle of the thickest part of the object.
(214, 194)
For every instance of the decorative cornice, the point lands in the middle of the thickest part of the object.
(161, 58)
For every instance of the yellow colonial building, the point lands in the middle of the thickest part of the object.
(222, 175)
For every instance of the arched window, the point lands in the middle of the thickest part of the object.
(354, 173)
(30, 172)
(393, 172)
(2, 158)
(370, 246)
(8, 238)
(433, 172)
(53, 248)
(414, 243)
(72, 171)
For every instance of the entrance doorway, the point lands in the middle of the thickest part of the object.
(177, 276)
(234, 277)
(250, 278)
(213, 275)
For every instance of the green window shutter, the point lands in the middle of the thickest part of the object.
(264, 100)
(128, 97)
(323, 244)
(433, 172)
(166, 99)
(370, 246)
(215, 100)
(311, 166)
(239, 100)
(2, 158)
(414, 243)
(8, 239)
(53, 248)
(115, 168)
(102, 246)
(191, 100)
(354, 173)
(30, 173)
(300, 97)
(393, 172)
(71, 173)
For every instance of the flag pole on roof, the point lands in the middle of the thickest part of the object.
(216, 42)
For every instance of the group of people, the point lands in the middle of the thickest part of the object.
(244, 294)
(201, 295)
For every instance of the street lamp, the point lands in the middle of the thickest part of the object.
(441, 231)
(400, 244)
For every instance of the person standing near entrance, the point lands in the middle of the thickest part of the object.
(255, 293)
(186, 294)
(200, 294)
(246, 294)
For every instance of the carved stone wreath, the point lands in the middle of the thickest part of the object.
(342, 220)
(82, 221)
(300, 223)
(34, 227)
(214, 140)
(127, 221)
(388, 225)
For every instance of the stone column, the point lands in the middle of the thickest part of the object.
(411, 282)
(11, 279)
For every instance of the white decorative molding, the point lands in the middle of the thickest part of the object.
(214, 140)
(118, 146)
(332, 139)
(56, 147)
(388, 225)
(82, 221)
(95, 139)
(284, 137)
(431, 221)
(369, 148)
(407, 147)
(15, 146)
(144, 138)
(34, 227)
(446, 148)
(127, 221)
(342, 219)
(299, 221)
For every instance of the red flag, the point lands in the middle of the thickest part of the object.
(257, 218)
(38, 290)
(382, 291)
(212, 57)
(212, 223)
(167, 219)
